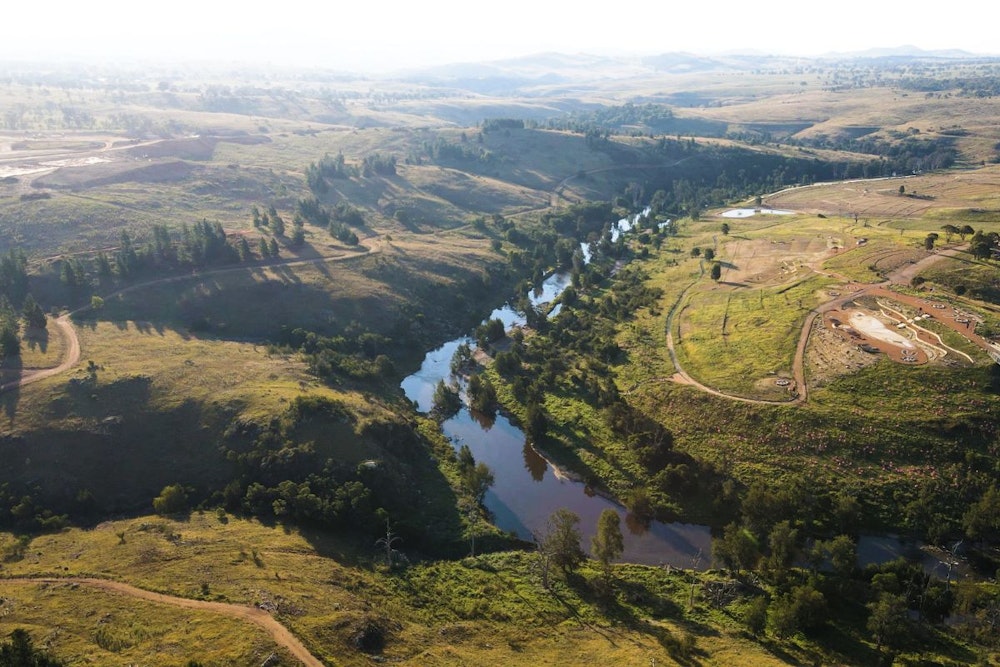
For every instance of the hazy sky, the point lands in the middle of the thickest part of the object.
(380, 34)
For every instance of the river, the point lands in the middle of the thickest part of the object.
(527, 489)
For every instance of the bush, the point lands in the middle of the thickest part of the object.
(172, 500)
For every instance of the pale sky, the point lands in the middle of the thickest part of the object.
(389, 34)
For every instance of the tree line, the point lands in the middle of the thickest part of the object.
(17, 306)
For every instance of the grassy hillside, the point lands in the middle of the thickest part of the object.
(259, 382)
(347, 608)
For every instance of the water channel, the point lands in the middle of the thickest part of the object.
(527, 488)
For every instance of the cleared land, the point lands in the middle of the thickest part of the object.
(180, 362)
(738, 336)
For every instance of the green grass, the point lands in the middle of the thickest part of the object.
(161, 405)
(870, 263)
(737, 340)
(979, 279)
(475, 611)
(41, 349)
(97, 627)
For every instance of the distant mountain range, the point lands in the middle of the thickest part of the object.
(907, 51)
(556, 68)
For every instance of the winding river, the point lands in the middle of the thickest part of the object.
(527, 488)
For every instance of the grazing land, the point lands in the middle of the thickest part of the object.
(214, 283)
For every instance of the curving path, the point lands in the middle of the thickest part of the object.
(64, 323)
(903, 275)
(278, 632)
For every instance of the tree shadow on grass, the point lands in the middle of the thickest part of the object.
(10, 395)
(37, 337)
(608, 596)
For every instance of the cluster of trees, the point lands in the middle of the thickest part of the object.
(23, 511)
(442, 150)
(558, 545)
(357, 353)
(278, 475)
(657, 118)
(268, 220)
(500, 124)
(377, 164)
(200, 245)
(16, 303)
(965, 86)
(982, 244)
(904, 154)
(19, 651)
(337, 220)
(804, 547)
(319, 174)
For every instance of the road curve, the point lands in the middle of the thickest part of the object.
(279, 633)
(903, 275)
(71, 357)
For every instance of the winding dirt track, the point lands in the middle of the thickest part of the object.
(279, 633)
(71, 356)
(902, 275)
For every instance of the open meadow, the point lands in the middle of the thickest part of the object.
(206, 450)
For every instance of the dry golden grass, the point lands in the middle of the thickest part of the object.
(929, 201)
(434, 613)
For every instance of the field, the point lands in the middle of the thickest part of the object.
(265, 382)
(476, 611)
(738, 334)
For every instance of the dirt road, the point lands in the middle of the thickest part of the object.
(72, 355)
(279, 633)
(901, 276)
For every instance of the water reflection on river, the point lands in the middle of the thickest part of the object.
(527, 489)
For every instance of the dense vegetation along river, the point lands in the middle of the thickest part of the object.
(527, 489)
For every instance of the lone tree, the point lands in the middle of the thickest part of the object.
(736, 550)
(388, 544)
(476, 477)
(716, 271)
(888, 621)
(725, 229)
(33, 314)
(561, 541)
(447, 401)
(608, 544)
